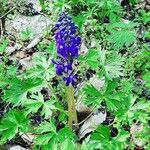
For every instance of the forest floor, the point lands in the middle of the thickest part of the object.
(112, 91)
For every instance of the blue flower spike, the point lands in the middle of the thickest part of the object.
(68, 44)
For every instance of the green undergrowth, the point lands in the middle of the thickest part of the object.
(33, 101)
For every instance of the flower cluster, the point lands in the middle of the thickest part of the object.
(68, 44)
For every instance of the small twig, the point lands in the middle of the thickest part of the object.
(8, 12)
(77, 124)
(18, 3)
(112, 123)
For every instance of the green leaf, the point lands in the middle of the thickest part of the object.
(122, 136)
(46, 131)
(147, 34)
(141, 105)
(122, 34)
(48, 136)
(52, 49)
(14, 121)
(146, 77)
(67, 145)
(46, 127)
(26, 34)
(111, 65)
(92, 95)
(91, 90)
(48, 108)
(43, 69)
(3, 45)
(102, 133)
(91, 58)
(65, 133)
(145, 16)
(80, 20)
(18, 89)
(36, 102)
(133, 1)
(44, 139)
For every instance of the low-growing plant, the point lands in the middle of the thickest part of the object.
(26, 34)
(111, 75)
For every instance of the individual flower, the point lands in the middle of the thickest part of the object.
(70, 79)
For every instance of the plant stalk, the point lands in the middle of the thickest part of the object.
(72, 114)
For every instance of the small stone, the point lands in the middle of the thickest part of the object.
(17, 148)
(28, 137)
(93, 43)
(36, 4)
(26, 62)
(135, 130)
(20, 54)
(126, 21)
(96, 82)
(10, 49)
(83, 49)
(18, 46)
(37, 24)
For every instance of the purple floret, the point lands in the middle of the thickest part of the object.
(70, 79)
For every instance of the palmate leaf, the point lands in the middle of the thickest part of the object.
(2, 75)
(48, 137)
(45, 139)
(141, 105)
(123, 135)
(114, 66)
(65, 133)
(114, 99)
(47, 131)
(122, 34)
(15, 121)
(92, 95)
(43, 69)
(91, 58)
(108, 64)
(80, 20)
(111, 65)
(67, 144)
(122, 38)
(46, 127)
(102, 133)
(18, 89)
(136, 110)
(6, 74)
(104, 140)
(36, 102)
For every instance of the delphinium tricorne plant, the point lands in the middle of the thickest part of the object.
(68, 44)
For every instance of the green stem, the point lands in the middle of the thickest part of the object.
(72, 114)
